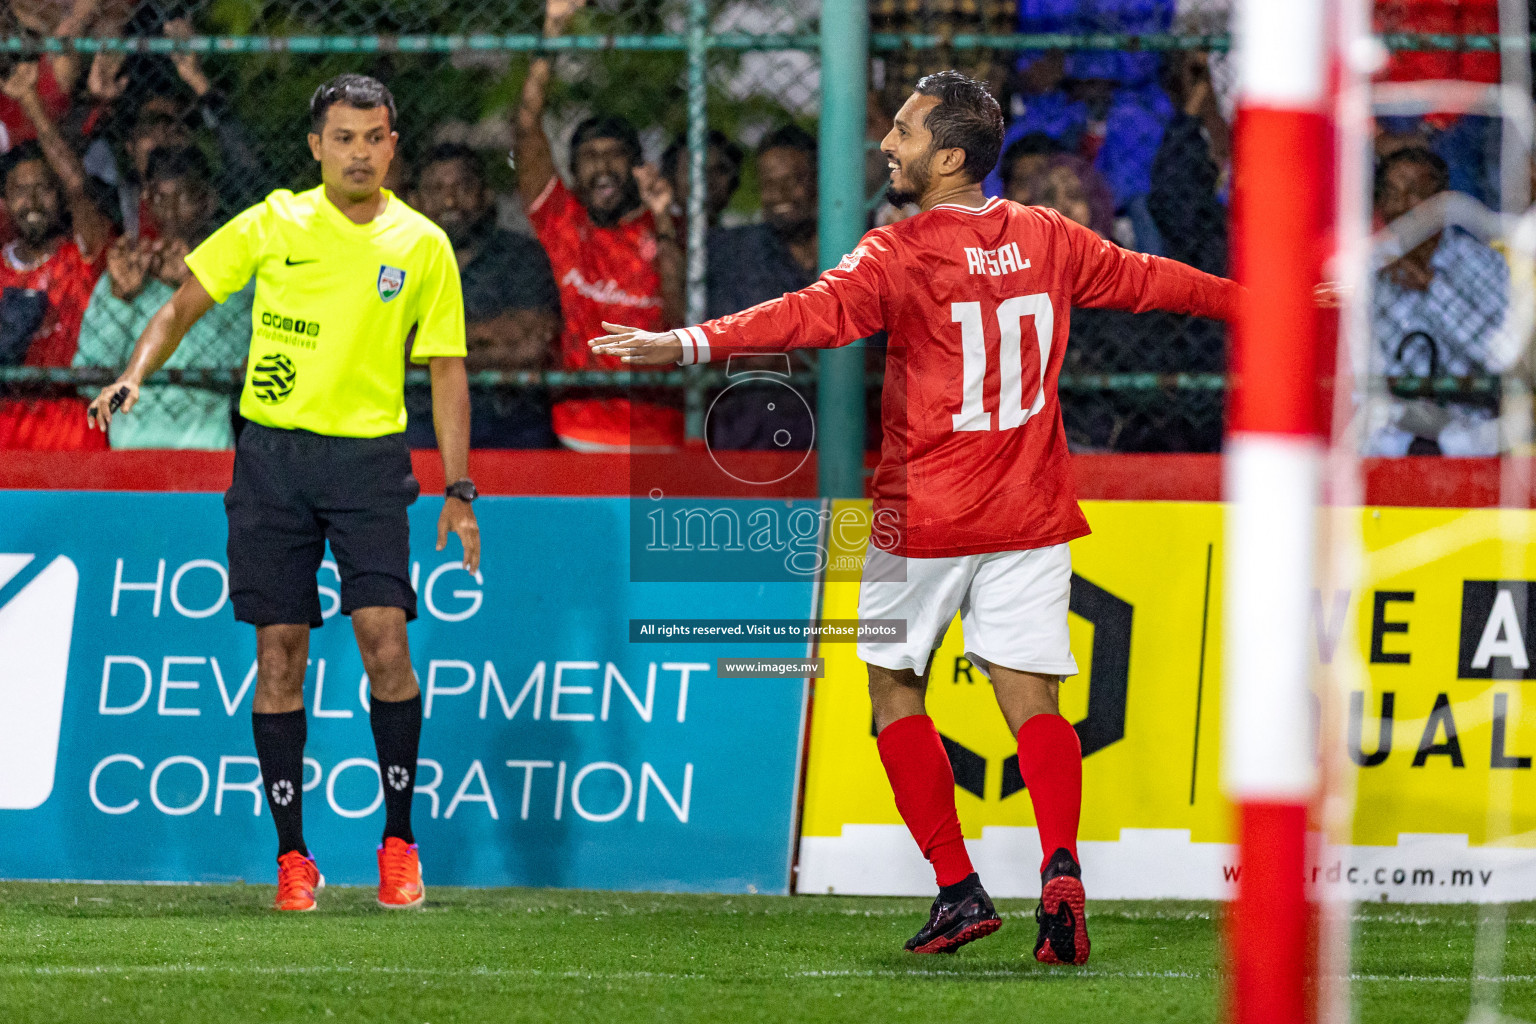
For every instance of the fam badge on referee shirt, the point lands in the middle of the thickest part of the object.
(391, 280)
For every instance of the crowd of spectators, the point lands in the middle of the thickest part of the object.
(141, 274)
(114, 168)
(108, 184)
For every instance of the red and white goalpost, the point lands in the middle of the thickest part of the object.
(1275, 446)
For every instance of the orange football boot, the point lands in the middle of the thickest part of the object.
(400, 885)
(297, 882)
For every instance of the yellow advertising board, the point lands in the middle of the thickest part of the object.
(1439, 741)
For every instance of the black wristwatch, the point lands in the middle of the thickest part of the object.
(463, 489)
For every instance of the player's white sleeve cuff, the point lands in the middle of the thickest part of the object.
(695, 346)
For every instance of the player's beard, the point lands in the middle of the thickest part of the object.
(917, 174)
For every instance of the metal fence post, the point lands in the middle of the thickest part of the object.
(840, 383)
(698, 146)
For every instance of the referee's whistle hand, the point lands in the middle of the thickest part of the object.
(99, 413)
(459, 518)
(632, 345)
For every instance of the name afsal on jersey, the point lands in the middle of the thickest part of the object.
(996, 262)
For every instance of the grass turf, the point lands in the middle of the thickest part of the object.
(169, 954)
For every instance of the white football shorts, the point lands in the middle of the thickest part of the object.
(1012, 605)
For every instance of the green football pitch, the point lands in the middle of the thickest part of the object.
(123, 954)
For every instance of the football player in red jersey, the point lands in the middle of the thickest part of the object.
(973, 498)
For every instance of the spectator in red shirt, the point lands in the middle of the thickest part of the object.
(56, 77)
(616, 253)
(46, 273)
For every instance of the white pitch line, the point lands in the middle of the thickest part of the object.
(466, 972)
(1453, 922)
(1025, 973)
(1502, 979)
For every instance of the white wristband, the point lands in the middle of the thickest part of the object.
(683, 337)
(695, 345)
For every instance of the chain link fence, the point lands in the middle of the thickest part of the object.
(182, 114)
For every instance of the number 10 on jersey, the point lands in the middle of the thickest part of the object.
(1011, 410)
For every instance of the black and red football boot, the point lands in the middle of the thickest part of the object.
(1063, 924)
(954, 922)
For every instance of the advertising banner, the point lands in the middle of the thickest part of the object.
(554, 752)
(1440, 737)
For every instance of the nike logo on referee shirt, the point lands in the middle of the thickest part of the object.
(290, 261)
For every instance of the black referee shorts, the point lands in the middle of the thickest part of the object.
(293, 490)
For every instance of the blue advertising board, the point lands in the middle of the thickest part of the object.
(554, 752)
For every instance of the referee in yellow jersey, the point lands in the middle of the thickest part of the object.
(346, 275)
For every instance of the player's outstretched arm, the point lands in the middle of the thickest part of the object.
(643, 348)
(161, 336)
(1109, 277)
(845, 304)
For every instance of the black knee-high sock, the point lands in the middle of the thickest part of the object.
(280, 749)
(396, 735)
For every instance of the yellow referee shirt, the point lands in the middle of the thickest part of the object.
(334, 304)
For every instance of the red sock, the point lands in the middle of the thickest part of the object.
(1051, 761)
(924, 785)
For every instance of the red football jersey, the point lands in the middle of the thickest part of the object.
(603, 274)
(976, 304)
(67, 278)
